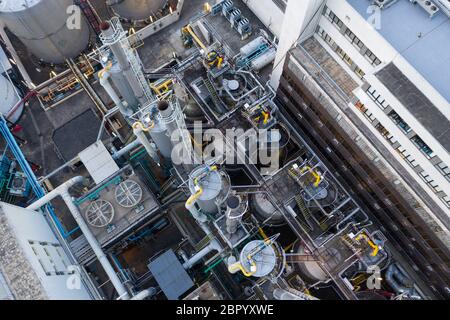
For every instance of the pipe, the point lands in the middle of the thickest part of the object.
(116, 155)
(63, 191)
(139, 131)
(371, 244)
(104, 76)
(147, 293)
(398, 281)
(214, 245)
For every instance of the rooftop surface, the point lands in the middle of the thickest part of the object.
(429, 54)
(417, 103)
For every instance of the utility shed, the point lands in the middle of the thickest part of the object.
(98, 162)
(170, 275)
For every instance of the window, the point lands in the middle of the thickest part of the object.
(423, 147)
(444, 170)
(333, 18)
(372, 58)
(354, 40)
(399, 122)
(377, 98)
(360, 73)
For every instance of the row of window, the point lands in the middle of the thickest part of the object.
(351, 37)
(416, 140)
(344, 56)
(407, 157)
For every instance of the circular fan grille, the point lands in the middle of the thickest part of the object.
(128, 194)
(100, 213)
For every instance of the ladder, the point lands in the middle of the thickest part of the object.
(89, 13)
(215, 98)
(305, 212)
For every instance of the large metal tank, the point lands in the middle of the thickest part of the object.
(135, 9)
(9, 99)
(42, 25)
(215, 188)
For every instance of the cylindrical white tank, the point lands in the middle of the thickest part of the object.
(43, 26)
(252, 46)
(8, 100)
(135, 9)
(263, 60)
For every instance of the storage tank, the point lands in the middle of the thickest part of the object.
(215, 186)
(42, 26)
(265, 211)
(8, 100)
(135, 9)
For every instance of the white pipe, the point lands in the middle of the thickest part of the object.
(200, 217)
(142, 138)
(55, 193)
(63, 191)
(104, 76)
(214, 245)
(144, 294)
(126, 149)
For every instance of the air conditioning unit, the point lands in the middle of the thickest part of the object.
(444, 5)
(429, 6)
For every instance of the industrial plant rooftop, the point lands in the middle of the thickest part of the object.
(421, 40)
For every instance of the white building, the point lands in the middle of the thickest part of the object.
(33, 263)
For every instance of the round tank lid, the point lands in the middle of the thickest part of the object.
(265, 259)
(233, 202)
(211, 184)
(233, 85)
(17, 5)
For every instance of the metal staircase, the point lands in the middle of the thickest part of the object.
(304, 210)
(212, 92)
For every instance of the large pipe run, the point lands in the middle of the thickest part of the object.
(214, 245)
(63, 191)
(139, 132)
(104, 76)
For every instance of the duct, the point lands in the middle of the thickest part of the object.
(63, 191)
(104, 76)
(214, 245)
(147, 293)
(139, 132)
(398, 281)
(117, 154)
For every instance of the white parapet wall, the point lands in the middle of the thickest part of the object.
(33, 262)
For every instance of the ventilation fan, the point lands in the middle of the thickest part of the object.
(128, 194)
(100, 213)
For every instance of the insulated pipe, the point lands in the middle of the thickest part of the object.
(145, 294)
(104, 76)
(63, 191)
(116, 155)
(214, 245)
(139, 132)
